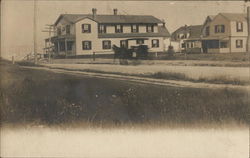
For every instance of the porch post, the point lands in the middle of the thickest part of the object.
(229, 44)
(66, 49)
(58, 47)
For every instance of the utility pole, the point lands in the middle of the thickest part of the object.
(248, 23)
(0, 29)
(49, 29)
(34, 33)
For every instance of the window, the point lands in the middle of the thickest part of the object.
(67, 29)
(59, 31)
(239, 26)
(140, 41)
(207, 31)
(223, 44)
(102, 28)
(134, 28)
(62, 46)
(86, 45)
(239, 43)
(106, 44)
(118, 28)
(124, 43)
(69, 45)
(183, 45)
(150, 28)
(155, 43)
(219, 28)
(86, 28)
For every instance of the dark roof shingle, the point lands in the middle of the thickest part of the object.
(194, 30)
(235, 16)
(73, 18)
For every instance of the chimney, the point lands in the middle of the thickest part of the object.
(163, 22)
(94, 10)
(115, 11)
(248, 26)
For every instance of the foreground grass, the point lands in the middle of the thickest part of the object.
(41, 97)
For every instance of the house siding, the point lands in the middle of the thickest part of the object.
(96, 43)
(234, 30)
(220, 20)
(233, 44)
(93, 36)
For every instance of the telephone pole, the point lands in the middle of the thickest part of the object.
(34, 33)
(50, 29)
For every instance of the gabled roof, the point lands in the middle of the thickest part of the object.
(235, 16)
(194, 30)
(162, 32)
(73, 18)
(211, 17)
(208, 19)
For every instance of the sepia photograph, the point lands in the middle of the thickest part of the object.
(124, 79)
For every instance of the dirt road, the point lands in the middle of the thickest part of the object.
(143, 80)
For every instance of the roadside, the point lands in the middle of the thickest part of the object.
(191, 74)
(155, 62)
(179, 59)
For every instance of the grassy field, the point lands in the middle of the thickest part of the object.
(42, 97)
(210, 56)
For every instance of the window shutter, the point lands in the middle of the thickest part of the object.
(89, 28)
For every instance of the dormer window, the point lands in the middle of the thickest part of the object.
(150, 28)
(102, 28)
(118, 28)
(67, 29)
(239, 26)
(134, 28)
(86, 28)
(219, 28)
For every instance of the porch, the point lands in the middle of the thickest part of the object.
(193, 45)
(64, 45)
(219, 45)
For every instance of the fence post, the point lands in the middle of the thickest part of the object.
(13, 60)
(156, 54)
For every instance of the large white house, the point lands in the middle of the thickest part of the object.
(83, 34)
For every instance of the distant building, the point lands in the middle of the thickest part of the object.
(83, 34)
(188, 38)
(225, 33)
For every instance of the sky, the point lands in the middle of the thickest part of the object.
(18, 15)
